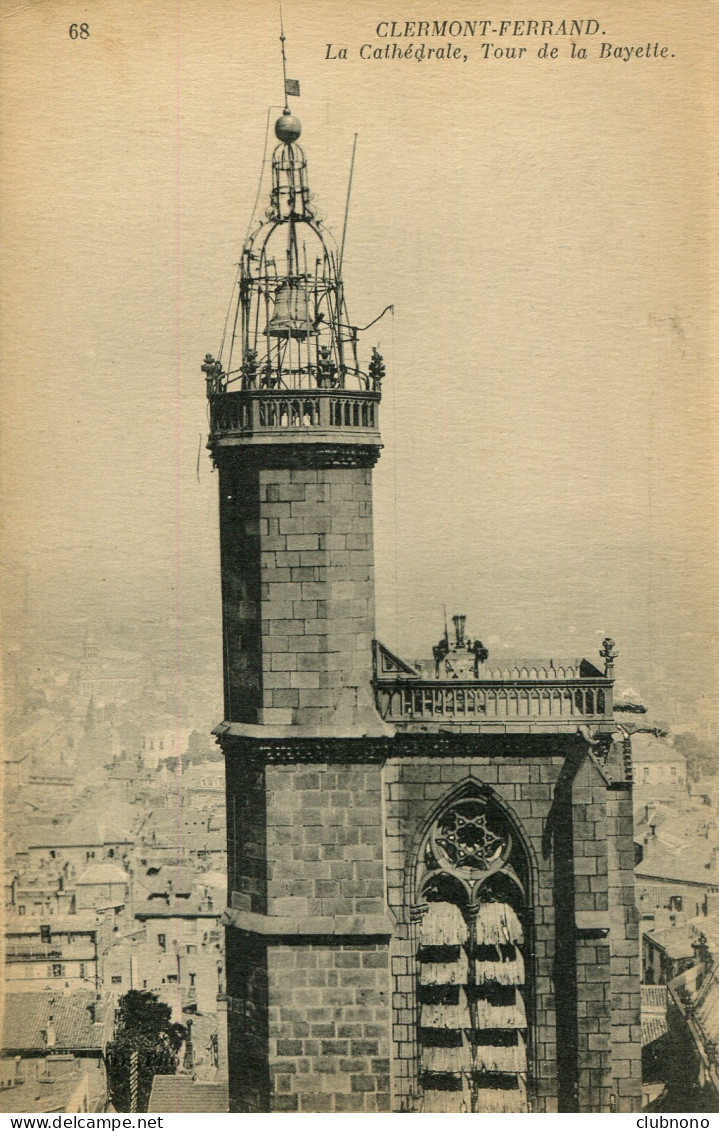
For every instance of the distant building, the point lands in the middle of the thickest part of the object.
(163, 740)
(104, 887)
(56, 1044)
(204, 782)
(42, 892)
(666, 953)
(183, 946)
(83, 840)
(63, 1083)
(114, 677)
(658, 766)
(42, 755)
(674, 886)
(62, 955)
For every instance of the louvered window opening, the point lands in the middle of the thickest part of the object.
(472, 1016)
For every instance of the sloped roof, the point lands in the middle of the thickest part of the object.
(653, 1028)
(103, 874)
(85, 830)
(680, 817)
(28, 1014)
(40, 731)
(179, 1094)
(707, 1004)
(193, 775)
(59, 924)
(654, 999)
(171, 878)
(677, 942)
(663, 864)
(43, 835)
(213, 880)
(11, 758)
(52, 1090)
(211, 840)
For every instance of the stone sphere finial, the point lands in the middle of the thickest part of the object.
(287, 127)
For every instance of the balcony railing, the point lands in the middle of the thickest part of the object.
(277, 410)
(522, 695)
(519, 704)
(19, 952)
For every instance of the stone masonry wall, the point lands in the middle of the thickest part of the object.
(240, 552)
(324, 841)
(414, 791)
(246, 831)
(247, 1021)
(592, 954)
(325, 1033)
(324, 857)
(298, 589)
(329, 1038)
(625, 961)
(317, 604)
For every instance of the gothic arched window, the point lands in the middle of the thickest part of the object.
(472, 1024)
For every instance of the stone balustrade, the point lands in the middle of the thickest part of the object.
(293, 411)
(516, 704)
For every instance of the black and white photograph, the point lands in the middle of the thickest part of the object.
(359, 596)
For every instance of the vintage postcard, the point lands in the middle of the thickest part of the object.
(359, 606)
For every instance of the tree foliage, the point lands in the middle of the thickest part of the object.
(143, 1026)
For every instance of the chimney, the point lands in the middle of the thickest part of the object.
(222, 1066)
(459, 620)
(50, 1035)
(189, 1058)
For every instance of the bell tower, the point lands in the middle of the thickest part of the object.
(294, 435)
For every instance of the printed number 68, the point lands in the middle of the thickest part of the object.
(79, 31)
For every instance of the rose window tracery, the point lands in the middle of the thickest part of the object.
(464, 838)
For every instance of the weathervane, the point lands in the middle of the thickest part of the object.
(290, 86)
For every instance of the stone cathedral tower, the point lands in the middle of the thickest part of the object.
(430, 898)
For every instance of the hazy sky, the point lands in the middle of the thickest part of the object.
(542, 228)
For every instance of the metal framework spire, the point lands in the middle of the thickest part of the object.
(289, 323)
(284, 61)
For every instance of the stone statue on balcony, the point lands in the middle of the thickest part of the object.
(249, 370)
(376, 370)
(326, 370)
(213, 372)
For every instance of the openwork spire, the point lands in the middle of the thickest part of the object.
(290, 328)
